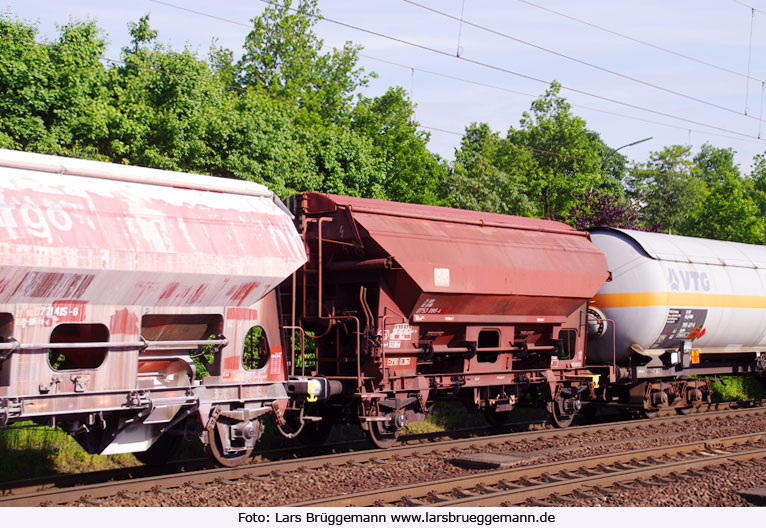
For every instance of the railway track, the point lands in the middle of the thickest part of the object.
(29, 486)
(36, 493)
(630, 470)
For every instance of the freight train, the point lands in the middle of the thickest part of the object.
(138, 306)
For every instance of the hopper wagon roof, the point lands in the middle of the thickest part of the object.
(447, 250)
(115, 234)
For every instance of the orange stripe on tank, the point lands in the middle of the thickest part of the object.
(703, 300)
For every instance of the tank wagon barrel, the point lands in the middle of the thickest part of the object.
(679, 293)
(119, 284)
(679, 306)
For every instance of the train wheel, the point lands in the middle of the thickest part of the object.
(383, 434)
(683, 411)
(217, 452)
(649, 414)
(380, 435)
(559, 419)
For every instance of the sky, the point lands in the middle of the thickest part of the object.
(685, 72)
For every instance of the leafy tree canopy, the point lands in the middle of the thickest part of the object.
(283, 56)
(282, 114)
(288, 113)
(666, 188)
(543, 168)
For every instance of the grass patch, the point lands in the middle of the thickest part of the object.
(449, 415)
(28, 450)
(735, 388)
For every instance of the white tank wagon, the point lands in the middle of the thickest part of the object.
(112, 278)
(679, 305)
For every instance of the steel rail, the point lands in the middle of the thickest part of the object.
(517, 497)
(24, 496)
(517, 485)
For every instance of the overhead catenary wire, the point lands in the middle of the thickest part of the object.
(526, 94)
(749, 6)
(410, 68)
(274, 96)
(579, 61)
(639, 41)
(521, 147)
(515, 73)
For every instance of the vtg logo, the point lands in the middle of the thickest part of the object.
(688, 280)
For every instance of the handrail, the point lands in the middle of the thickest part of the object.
(143, 344)
(292, 352)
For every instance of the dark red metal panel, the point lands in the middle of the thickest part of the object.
(452, 251)
(455, 257)
(411, 299)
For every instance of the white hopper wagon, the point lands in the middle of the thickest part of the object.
(113, 278)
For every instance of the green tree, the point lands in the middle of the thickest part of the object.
(413, 174)
(555, 150)
(283, 56)
(714, 165)
(142, 35)
(728, 212)
(477, 183)
(702, 195)
(171, 108)
(545, 168)
(666, 188)
(52, 96)
(614, 168)
(25, 70)
(758, 183)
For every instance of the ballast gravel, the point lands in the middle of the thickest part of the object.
(718, 487)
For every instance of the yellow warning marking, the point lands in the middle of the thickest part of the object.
(702, 300)
(584, 377)
(695, 356)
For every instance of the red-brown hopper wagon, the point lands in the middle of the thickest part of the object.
(406, 302)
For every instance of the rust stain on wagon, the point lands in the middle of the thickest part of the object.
(240, 293)
(197, 296)
(242, 314)
(103, 246)
(41, 284)
(167, 293)
(123, 322)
